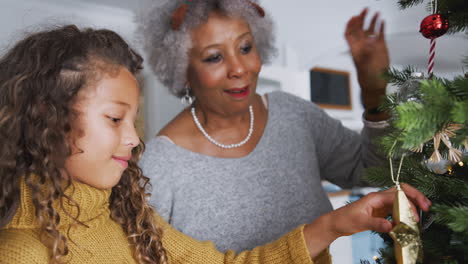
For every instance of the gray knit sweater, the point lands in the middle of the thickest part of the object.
(240, 203)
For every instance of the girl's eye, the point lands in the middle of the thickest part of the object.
(115, 120)
(213, 58)
(246, 49)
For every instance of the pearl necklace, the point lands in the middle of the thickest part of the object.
(236, 145)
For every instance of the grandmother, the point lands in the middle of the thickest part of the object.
(236, 167)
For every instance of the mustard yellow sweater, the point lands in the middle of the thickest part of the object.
(104, 241)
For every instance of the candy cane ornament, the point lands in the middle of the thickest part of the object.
(432, 27)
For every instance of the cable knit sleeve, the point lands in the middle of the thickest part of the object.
(21, 247)
(290, 248)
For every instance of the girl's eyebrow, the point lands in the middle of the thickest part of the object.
(120, 103)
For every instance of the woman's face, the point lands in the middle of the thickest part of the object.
(223, 64)
(107, 112)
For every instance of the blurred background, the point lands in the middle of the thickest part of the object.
(309, 34)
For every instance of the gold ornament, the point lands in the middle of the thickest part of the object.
(406, 235)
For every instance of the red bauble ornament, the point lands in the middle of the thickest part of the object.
(434, 26)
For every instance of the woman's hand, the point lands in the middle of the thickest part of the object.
(370, 55)
(367, 213)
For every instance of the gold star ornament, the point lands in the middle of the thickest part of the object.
(405, 234)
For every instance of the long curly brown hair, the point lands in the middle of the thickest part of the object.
(40, 78)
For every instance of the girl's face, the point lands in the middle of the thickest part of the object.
(224, 64)
(108, 111)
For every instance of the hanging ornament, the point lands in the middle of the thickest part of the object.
(441, 164)
(454, 155)
(409, 90)
(432, 27)
(440, 167)
(405, 234)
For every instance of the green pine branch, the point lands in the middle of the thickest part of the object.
(409, 3)
(440, 245)
(397, 77)
(453, 217)
(438, 103)
(457, 12)
(458, 87)
(418, 124)
(459, 112)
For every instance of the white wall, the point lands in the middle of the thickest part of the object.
(20, 16)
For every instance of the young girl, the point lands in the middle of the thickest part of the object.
(71, 190)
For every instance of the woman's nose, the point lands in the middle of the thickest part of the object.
(236, 67)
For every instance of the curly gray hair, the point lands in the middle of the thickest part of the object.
(168, 49)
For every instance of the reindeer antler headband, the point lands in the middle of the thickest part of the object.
(178, 15)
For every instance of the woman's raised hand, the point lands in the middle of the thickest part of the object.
(370, 55)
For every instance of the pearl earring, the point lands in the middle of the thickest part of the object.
(187, 99)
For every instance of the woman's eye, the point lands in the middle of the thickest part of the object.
(213, 58)
(246, 49)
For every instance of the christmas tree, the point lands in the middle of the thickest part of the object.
(429, 141)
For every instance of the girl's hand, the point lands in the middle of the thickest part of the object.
(367, 213)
